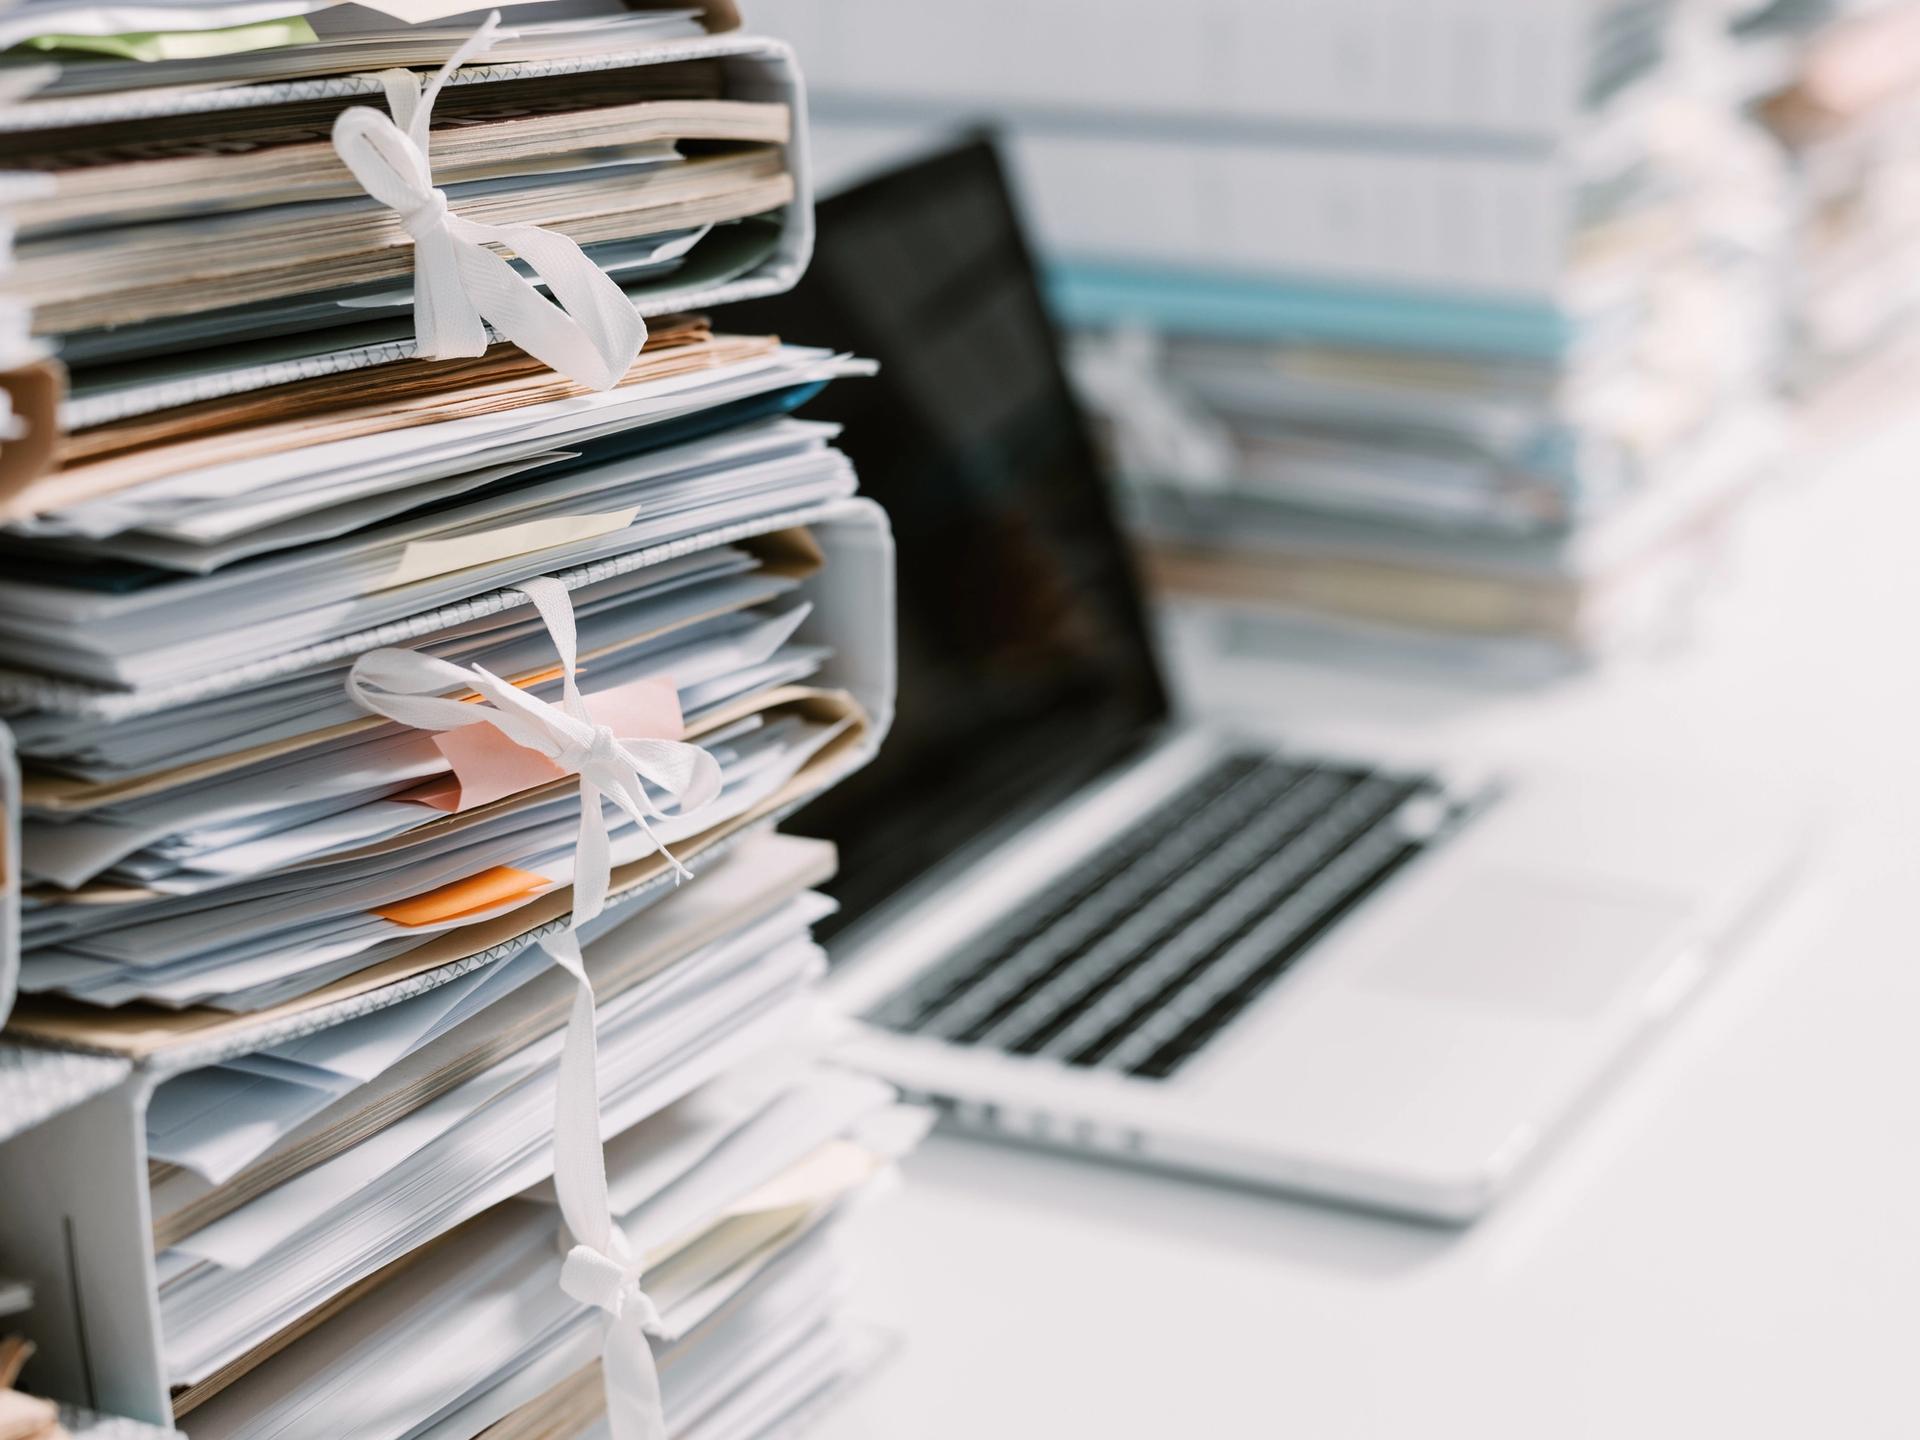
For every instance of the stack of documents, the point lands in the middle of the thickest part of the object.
(408, 649)
(1368, 141)
(366, 1199)
(1460, 284)
(1463, 489)
(191, 239)
(215, 818)
(731, 1194)
(221, 505)
(1254, 576)
(1543, 473)
(1838, 84)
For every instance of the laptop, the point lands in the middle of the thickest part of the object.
(1070, 917)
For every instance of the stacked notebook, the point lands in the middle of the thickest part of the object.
(417, 610)
(1836, 84)
(1392, 313)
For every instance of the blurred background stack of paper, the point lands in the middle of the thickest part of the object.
(381, 617)
(1837, 83)
(1450, 322)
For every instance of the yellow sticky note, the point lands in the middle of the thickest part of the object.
(424, 559)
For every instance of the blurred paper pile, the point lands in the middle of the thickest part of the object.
(1452, 322)
(1837, 83)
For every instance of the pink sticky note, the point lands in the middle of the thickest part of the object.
(487, 766)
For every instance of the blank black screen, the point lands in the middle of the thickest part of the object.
(1025, 662)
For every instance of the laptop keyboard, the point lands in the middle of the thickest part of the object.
(1147, 950)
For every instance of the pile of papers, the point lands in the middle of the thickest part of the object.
(408, 649)
(1389, 319)
(188, 245)
(345, 1201)
(1541, 482)
(1838, 85)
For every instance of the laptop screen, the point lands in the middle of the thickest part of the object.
(1026, 665)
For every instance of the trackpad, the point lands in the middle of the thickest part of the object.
(1526, 944)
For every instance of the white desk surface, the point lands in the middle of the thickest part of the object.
(1729, 1247)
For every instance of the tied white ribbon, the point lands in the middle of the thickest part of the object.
(409, 687)
(460, 286)
(601, 1271)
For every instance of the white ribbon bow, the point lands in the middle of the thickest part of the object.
(409, 687)
(460, 286)
(406, 686)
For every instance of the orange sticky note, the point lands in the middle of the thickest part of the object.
(470, 896)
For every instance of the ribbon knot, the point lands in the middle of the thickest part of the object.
(424, 216)
(408, 687)
(600, 752)
(610, 1283)
(588, 332)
